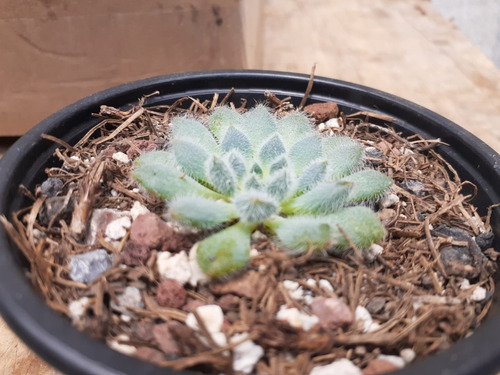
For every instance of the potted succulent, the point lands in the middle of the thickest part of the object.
(233, 185)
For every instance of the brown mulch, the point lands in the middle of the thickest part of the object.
(412, 289)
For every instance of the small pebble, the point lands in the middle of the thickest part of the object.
(372, 252)
(253, 253)
(373, 152)
(457, 233)
(391, 200)
(122, 348)
(77, 308)
(246, 354)
(333, 123)
(408, 355)
(148, 230)
(485, 240)
(326, 285)
(416, 186)
(363, 316)
(375, 305)
(51, 186)
(339, 367)
(321, 127)
(322, 111)
(84, 268)
(121, 157)
(464, 284)
(171, 294)
(138, 209)
(211, 315)
(332, 312)
(478, 294)
(174, 266)
(294, 289)
(133, 254)
(165, 340)
(197, 275)
(117, 229)
(311, 283)
(296, 318)
(131, 297)
(379, 366)
(394, 359)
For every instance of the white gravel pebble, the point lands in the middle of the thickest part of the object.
(296, 318)
(174, 267)
(478, 294)
(197, 275)
(294, 289)
(138, 209)
(131, 297)
(339, 367)
(253, 253)
(408, 355)
(211, 315)
(363, 316)
(332, 123)
(390, 200)
(77, 308)
(326, 285)
(311, 283)
(121, 157)
(394, 359)
(122, 348)
(117, 229)
(246, 354)
(464, 284)
(371, 253)
(321, 127)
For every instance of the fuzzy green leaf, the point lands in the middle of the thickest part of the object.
(226, 251)
(271, 150)
(300, 233)
(304, 152)
(195, 132)
(312, 175)
(360, 224)
(167, 181)
(255, 206)
(201, 212)
(221, 119)
(156, 157)
(367, 184)
(253, 182)
(191, 158)
(279, 184)
(237, 163)
(259, 124)
(325, 198)
(280, 163)
(256, 169)
(220, 175)
(237, 140)
(344, 156)
(294, 127)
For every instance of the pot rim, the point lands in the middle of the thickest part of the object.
(49, 335)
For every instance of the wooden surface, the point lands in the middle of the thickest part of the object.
(404, 47)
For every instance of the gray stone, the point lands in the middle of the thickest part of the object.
(415, 186)
(51, 186)
(485, 240)
(457, 233)
(84, 268)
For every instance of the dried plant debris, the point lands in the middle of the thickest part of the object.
(103, 252)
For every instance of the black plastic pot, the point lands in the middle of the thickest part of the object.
(52, 336)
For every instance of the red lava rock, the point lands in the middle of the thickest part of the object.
(322, 111)
(142, 145)
(99, 221)
(192, 304)
(148, 230)
(171, 294)
(165, 339)
(149, 354)
(228, 301)
(379, 366)
(143, 331)
(332, 312)
(175, 242)
(134, 254)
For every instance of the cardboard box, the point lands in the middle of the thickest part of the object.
(54, 52)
